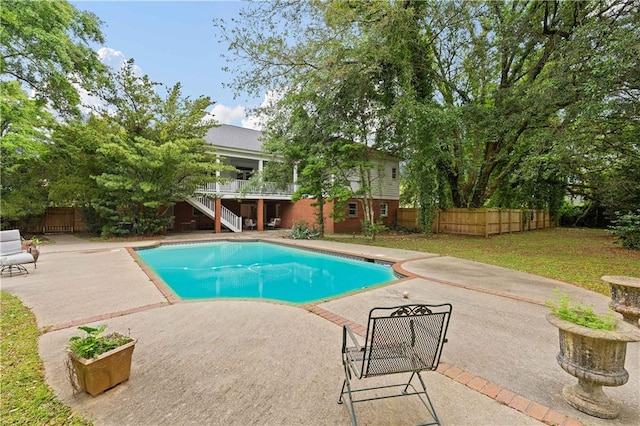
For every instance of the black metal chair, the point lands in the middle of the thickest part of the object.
(402, 339)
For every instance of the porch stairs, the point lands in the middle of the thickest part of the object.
(207, 206)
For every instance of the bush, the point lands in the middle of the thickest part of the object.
(569, 214)
(370, 230)
(301, 231)
(586, 215)
(626, 229)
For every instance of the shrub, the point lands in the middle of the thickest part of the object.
(565, 309)
(626, 229)
(370, 230)
(301, 231)
(569, 214)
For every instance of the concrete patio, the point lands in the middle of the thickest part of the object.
(252, 362)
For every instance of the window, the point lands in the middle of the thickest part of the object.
(394, 173)
(352, 210)
(384, 210)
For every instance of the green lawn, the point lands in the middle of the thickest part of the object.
(574, 255)
(26, 398)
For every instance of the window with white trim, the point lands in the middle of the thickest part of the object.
(394, 173)
(352, 210)
(384, 210)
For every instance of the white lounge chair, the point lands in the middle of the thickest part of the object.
(12, 256)
(249, 224)
(274, 223)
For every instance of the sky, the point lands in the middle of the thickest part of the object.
(171, 42)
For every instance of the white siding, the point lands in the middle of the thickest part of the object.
(383, 185)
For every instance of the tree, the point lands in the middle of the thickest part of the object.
(305, 140)
(46, 45)
(24, 140)
(137, 157)
(340, 64)
(521, 75)
(483, 100)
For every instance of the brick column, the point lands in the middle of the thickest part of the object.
(218, 226)
(260, 214)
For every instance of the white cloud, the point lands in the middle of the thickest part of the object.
(256, 120)
(252, 122)
(115, 59)
(227, 115)
(234, 115)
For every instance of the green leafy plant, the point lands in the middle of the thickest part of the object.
(93, 344)
(301, 231)
(568, 310)
(370, 230)
(626, 230)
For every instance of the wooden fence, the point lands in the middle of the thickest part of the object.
(483, 222)
(61, 219)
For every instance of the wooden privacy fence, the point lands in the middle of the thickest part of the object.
(62, 219)
(483, 222)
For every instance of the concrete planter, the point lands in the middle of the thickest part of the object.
(596, 358)
(625, 297)
(99, 374)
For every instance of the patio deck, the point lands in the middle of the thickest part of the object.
(249, 362)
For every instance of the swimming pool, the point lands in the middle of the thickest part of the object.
(229, 269)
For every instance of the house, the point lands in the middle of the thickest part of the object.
(237, 200)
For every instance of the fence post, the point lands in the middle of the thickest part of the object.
(486, 224)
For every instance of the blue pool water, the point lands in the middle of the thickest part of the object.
(229, 269)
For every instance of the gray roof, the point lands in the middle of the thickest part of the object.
(234, 137)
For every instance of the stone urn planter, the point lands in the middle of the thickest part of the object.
(105, 367)
(625, 297)
(596, 358)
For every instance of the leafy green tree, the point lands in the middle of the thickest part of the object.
(24, 140)
(46, 45)
(302, 140)
(522, 75)
(485, 101)
(137, 157)
(341, 65)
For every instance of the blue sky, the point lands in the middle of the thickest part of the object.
(173, 41)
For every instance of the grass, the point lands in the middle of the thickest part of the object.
(26, 398)
(574, 255)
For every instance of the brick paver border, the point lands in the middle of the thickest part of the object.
(492, 390)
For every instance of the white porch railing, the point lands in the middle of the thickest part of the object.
(236, 187)
(230, 219)
(208, 206)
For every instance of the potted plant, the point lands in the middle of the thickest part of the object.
(593, 349)
(33, 247)
(99, 362)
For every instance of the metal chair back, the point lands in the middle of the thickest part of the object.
(405, 338)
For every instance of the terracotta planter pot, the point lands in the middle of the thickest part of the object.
(596, 358)
(99, 374)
